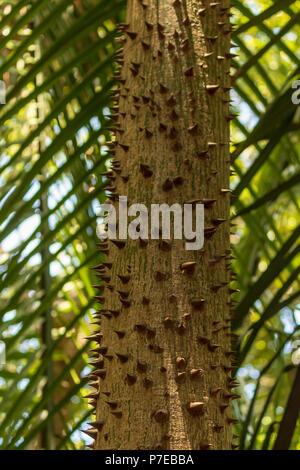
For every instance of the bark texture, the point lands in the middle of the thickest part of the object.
(164, 370)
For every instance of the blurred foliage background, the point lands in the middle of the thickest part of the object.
(57, 64)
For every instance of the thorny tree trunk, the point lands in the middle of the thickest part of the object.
(165, 375)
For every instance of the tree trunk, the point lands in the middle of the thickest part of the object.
(291, 414)
(165, 375)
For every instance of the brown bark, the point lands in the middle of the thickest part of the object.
(166, 343)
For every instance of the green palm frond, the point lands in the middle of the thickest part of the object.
(57, 64)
